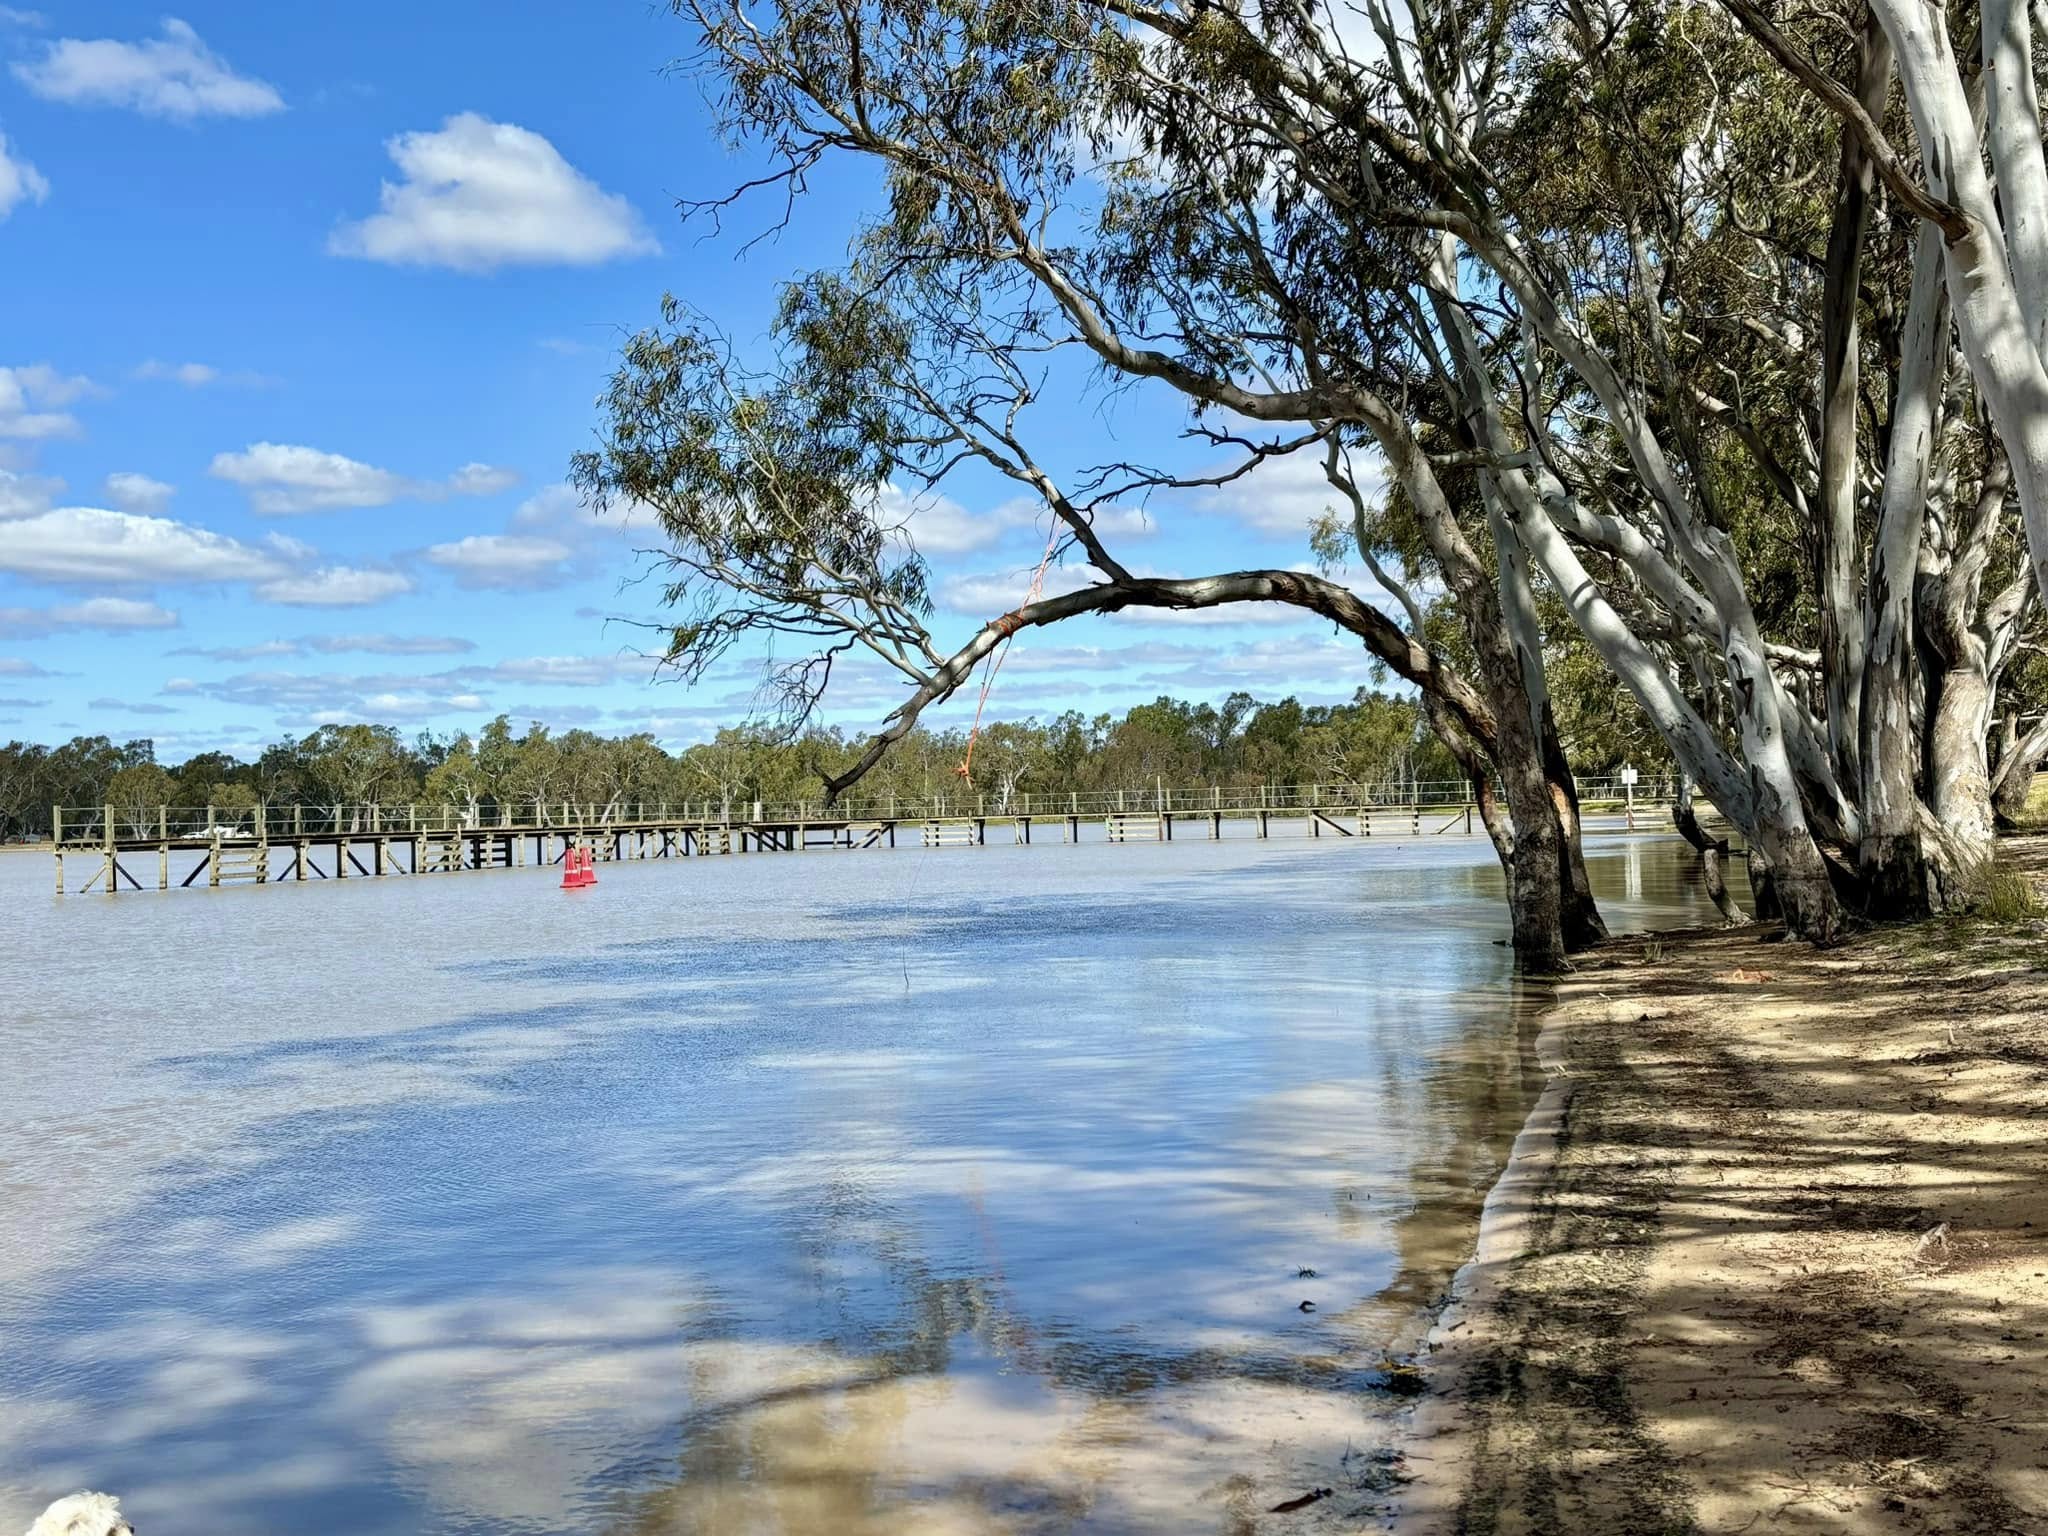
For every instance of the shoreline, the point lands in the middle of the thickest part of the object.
(1771, 1249)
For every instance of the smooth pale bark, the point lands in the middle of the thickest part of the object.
(2013, 130)
(2017, 765)
(1841, 623)
(1958, 773)
(1997, 340)
(1515, 504)
(1799, 871)
(1641, 672)
(1890, 856)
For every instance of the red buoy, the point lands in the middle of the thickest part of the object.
(579, 868)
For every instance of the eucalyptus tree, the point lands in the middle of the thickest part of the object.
(1003, 242)
(1984, 198)
(1604, 199)
(1622, 318)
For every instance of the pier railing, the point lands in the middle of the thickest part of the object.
(93, 826)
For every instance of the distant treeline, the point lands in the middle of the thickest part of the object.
(1376, 739)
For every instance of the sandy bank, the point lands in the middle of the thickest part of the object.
(1773, 1254)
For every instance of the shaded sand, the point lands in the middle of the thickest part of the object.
(1785, 1266)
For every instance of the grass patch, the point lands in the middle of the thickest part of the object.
(2002, 893)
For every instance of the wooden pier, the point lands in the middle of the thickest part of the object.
(134, 849)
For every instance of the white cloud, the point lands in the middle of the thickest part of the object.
(562, 671)
(104, 613)
(20, 182)
(482, 480)
(261, 650)
(1282, 497)
(199, 375)
(26, 495)
(334, 586)
(503, 561)
(191, 375)
(88, 544)
(320, 698)
(46, 386)
(285, 479)
(933, 524)
(31, 398)
(94, 546)
(121, 706)
(995, 592)
(14, 16)
(1320, 666)
(138, 493)
(392, 645)
(479, 195)
(175, 76)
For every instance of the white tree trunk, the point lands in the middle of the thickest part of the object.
(1890, 855)
(1997, 340)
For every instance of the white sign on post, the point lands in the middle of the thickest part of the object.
(1628, 777)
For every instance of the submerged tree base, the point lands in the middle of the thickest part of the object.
(1789, 1266)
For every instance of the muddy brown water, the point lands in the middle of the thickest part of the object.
(935, 1192)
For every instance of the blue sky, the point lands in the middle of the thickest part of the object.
(306, 309)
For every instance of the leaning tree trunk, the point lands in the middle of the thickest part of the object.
(1577, 910)
(1583, 924)
(1713, 851)
(2016, 768)
(1535, 864)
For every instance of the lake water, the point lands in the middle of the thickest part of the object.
(931, 1192)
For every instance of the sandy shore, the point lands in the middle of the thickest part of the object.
(1772, 1254)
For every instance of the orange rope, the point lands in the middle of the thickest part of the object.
(1006, 625)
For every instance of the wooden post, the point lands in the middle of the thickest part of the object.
(163, 866)
(113, 879)
(60, 871)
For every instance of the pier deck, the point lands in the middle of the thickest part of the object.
(137, 849)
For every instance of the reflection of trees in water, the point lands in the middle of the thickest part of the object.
(1478, 1096)
(818, 1444)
